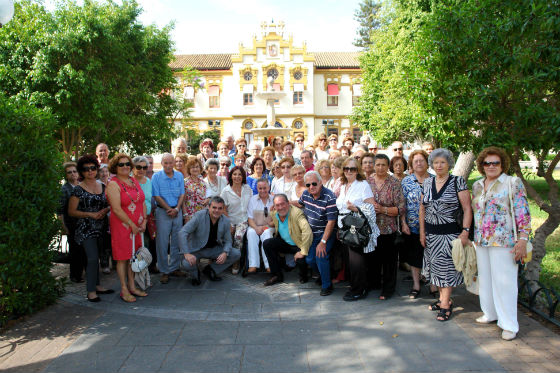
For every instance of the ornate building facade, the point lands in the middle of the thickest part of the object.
(318, 90)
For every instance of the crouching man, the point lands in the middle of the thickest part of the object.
(207, 235)
(293, 236)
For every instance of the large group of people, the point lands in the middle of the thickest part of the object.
(275, 208)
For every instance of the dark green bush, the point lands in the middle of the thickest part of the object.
(29, 186)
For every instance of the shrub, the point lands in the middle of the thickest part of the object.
(29, 186)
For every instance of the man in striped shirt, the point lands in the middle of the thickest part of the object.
(319, 207)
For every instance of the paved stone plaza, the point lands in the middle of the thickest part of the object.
(237, 325)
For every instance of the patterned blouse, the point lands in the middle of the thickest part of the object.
(195, 194)
(89, 202)
(492, 211)
(388, 195)
(412, 191)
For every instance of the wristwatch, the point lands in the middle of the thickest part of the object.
(323, 241)
(466, 229)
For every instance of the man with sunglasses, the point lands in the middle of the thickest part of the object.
(260, 221)
(397, 148)
(168, 189)
(319, 207)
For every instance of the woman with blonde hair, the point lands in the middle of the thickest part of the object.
(195, 189)
(298, 172)
(181, 160)
(320, 145)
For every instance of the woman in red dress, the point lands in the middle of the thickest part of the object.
(128, 217)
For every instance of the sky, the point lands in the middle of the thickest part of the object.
(218, 26)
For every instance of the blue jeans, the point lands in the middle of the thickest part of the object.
(322, 263)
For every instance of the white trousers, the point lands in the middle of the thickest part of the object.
(497, 276)
(253, 246)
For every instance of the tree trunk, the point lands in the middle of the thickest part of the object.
(464, 164)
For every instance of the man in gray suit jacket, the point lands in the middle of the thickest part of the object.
(207, 235)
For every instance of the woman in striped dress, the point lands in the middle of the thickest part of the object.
(442, 196)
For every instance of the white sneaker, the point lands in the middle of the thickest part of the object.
(508, 336)
(484, 320)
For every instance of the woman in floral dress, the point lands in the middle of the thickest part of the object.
(195, 189)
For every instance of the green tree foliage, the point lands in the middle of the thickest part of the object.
(102, 74)
(471, 74)
(366, 15)
(194, 139)
(29, 187)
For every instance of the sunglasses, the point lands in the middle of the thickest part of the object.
(124, 164)
(141, 167)
(72, 172)
(397, 149)
(286, 167)
(373, 148)
(224, 164)
(488, 164)
(299, 140)
(90, 168)
(265, 212)
(350, 169)
(313, 183)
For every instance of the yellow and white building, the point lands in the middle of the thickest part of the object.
(319, 88)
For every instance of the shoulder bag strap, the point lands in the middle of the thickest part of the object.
(511, 208)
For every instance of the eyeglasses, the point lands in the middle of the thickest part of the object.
(286, 167)
(138, 167)
(350, 169)
(72, 172)
(265, 211)
(488, 164)
(241, 146)
(224, 164)
(313, 183)
(125, 164)
(90, 168)
(397, 149)
(372, 148)
(324, 168)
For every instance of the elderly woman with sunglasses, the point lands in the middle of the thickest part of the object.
(141, 165)
(128, 219)
(77, 255)
(260, 221)
(320, 145)
(88, 205)
(502, 224)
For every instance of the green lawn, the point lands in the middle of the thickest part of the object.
(550, 273)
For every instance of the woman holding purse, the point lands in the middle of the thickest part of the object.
(502, 224)
(128, 217)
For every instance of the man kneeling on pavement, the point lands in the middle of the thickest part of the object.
(207, 235)
(292, 236)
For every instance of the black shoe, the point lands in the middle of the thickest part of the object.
(350, 296)
(327, 291)
(94, 300)
(196, 280)
(212, 276)
(106, 291)
(303, 280)
(273, 281)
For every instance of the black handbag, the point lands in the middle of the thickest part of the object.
(355, 231)
(459, 214)
(399, 237)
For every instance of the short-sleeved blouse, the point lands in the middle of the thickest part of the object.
(89, 202)
(147, 189)
(492, 212)
(195, 195)
(236, 205)
(389, 194)
(215, 189)
(356, 194)
(412, 192)
(441, 206)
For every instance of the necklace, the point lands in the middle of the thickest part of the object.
(132, 206)
(442, 181)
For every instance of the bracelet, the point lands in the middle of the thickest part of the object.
(524, 239)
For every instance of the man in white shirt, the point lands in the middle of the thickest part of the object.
(260, 222)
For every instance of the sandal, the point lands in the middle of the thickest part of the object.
(138, 293)
(444, 314)
(435, 306)
(128, 298)
(413, 293)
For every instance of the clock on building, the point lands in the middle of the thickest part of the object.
(248, 125)
(298, 75)
(298, 125)
(248, 76)
(272, 73)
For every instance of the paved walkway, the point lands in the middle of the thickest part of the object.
(237, 325)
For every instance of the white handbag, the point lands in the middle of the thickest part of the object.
(137, 263)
